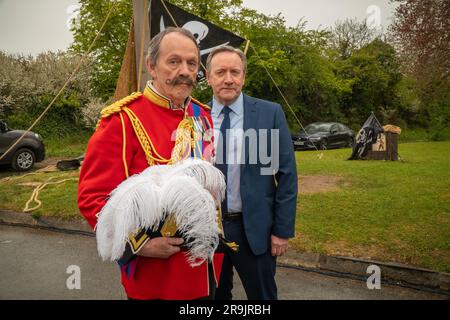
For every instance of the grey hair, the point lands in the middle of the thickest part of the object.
(226, 49)
(155, 43)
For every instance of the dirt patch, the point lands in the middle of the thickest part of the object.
(316, 184)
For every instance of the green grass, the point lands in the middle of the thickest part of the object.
(69, 146)
(391, 211)
(57, 200)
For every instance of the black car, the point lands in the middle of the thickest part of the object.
(323, 135)
(28, 151)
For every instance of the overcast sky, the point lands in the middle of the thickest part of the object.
(34, 26)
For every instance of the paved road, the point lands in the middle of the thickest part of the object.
(33, 265)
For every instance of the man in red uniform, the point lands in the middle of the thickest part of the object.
(137, 132)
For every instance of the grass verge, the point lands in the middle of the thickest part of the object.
(390, 211)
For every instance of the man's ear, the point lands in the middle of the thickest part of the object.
(150, 68)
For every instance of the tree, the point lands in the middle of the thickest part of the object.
(110, 46)
(420, 30)
(373, 72)
(350, 35)
(217, 11)
(44, 76)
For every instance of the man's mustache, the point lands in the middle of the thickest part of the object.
(181, 80)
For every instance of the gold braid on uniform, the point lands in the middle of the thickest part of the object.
(141, 135)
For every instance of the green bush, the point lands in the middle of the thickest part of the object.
(19, 121)
(64, 118)
(421, 135)
(29, 84)
(414, 135)
(440, 133)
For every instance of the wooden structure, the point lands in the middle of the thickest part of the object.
(386, 147)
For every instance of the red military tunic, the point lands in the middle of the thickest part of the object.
(115, 152)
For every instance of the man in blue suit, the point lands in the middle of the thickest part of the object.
(254, 151)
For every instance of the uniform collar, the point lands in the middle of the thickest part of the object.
(162, 101)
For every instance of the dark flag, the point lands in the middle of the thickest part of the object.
(366, 137)
(207, 34)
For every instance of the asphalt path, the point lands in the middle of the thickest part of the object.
(40, 264)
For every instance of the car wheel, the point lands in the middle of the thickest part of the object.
(23, 160)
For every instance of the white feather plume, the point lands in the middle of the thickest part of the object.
(190, 191)
(133, 205)
(195, 214)
(211, 178)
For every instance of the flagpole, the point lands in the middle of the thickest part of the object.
(141, 53)
(127, 80)
(149, 35)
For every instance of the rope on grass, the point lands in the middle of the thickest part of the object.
(47, 169)
(35, 194)
(7, 179)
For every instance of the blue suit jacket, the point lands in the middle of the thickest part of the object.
(269, 201)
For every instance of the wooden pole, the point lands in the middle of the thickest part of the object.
(142, 46)
(126, 83)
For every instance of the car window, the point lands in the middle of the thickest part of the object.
(317, 127)
(342, 127)
(334, 127)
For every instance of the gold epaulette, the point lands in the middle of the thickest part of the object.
(204, 106)
(118, 105)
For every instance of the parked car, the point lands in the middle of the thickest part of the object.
(324, 135)
(26, 153)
